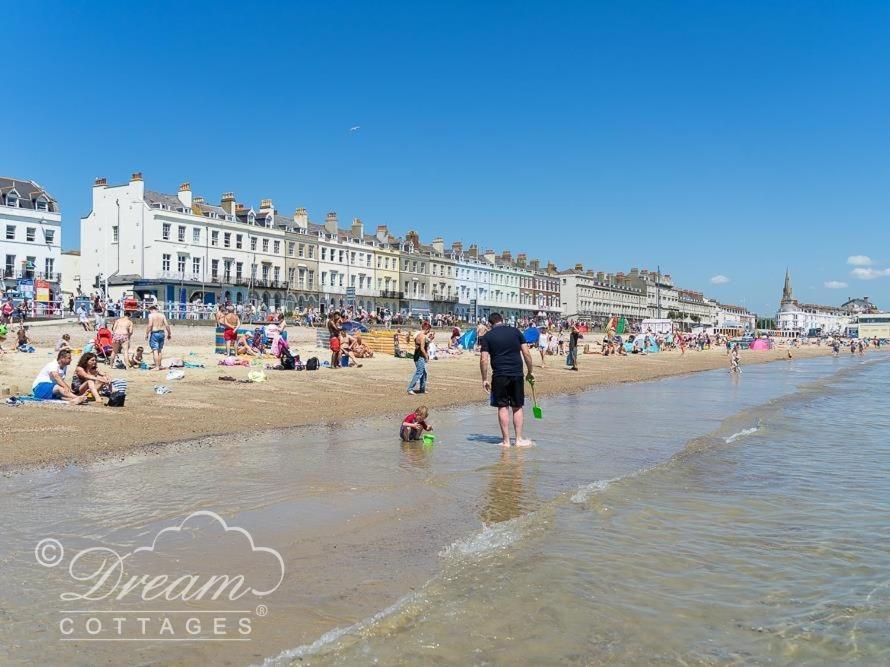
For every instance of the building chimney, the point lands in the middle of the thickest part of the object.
(330, 223)
(197, 200)
(358, 229)
(551, 267)
(507, 256)
(227, 202)
(382, 233)
(100, 182)
(137, 176)
(137, 186)
(439, 245)
(457, 247)
(579, 267)
(185, 195)
(490, 256)
(601, 277)
(266, 205)
(522, 259)
(301, 218)
(413, 238)
(473, 251)
(535, 265)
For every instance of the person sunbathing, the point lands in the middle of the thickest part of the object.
(360, 349)
(346, 348)
(245, 346)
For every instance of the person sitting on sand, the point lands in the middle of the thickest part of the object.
(397, 344)
(259, 340)
(50, 382)
(64, 343)
(135, 360)
(88, 377)
(244, 345)
(415, 424)
(346, 348)
(360, 349)
(23, 343)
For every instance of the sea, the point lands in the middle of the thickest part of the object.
(707, 519)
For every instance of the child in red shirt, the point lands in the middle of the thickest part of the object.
(415, 424)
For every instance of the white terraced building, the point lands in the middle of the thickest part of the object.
(179, 248)
(31, 224)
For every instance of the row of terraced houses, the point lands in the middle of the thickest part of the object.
(180, 247)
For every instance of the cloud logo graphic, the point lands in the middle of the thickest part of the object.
(227, 530)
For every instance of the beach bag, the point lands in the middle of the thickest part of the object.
(288, 363)
(312, 364)
(117, 399)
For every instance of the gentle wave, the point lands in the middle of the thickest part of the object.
(741, 434)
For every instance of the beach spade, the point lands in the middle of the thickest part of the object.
(536, 410)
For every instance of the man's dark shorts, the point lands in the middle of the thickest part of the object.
(507, 391)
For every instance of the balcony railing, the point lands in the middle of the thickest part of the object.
(14, 274)
(390, 294)
(439, 298)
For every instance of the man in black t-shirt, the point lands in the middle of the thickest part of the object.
(504, 349)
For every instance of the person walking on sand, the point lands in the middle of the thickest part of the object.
(574, 337)
(155, 333)
(503, 352)
(421, 358)
(121, 331)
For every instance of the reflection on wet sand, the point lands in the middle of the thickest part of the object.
(506, 493)
(416, 455)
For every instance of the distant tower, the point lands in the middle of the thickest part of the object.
(787, 296)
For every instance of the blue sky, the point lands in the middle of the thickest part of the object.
(715, 139)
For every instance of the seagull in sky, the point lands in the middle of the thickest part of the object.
(354, 128)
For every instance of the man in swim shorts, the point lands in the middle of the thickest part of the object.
(230, 322)
(121, 331)
(156, 333)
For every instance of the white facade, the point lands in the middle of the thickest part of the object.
(70, 266)
(180, 248)
(734, 317)
(598, 296)
(801, 318)
(31, 228)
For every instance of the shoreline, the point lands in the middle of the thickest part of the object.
(202, 409)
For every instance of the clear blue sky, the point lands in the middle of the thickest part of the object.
(715, 139)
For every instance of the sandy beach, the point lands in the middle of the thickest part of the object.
(200, 405)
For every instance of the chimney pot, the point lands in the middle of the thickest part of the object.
(185, 187)
(100, 182)
(137, 176)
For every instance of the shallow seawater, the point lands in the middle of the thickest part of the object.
(692, 520)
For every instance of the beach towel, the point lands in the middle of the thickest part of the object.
(256, 376)
(175, 375)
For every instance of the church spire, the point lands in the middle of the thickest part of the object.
(787, 296)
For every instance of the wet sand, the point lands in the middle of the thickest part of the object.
(200, 405)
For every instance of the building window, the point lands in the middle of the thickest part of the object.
(310, 278)
(324, 254)
(165, 262)
(49, 235)
(196, 266)
(165, 231)
(196, 235)
(9, 269)
(290, 248)
(301, 250)
(30, 234)
(227, 240)
(290, 275)
(180, 234)
(214, 238)
(114, 234)
(214, 269)
(276, 273)
(48, 268)
(276, 248)
(265, 272)
(227, 270)
(180, 263)
(239, 266)
(265, 245)
(341, 256)
(10, 232)
(311, 251)
(253, 242)
(239, 241)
